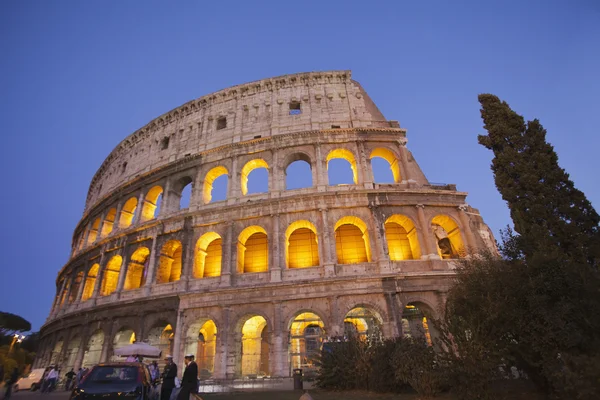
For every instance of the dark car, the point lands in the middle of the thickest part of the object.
(116, 381)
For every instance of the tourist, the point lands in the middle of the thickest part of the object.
(51, 379)
(69, 375)
(154, 372)
(168, 378)
(189, 381)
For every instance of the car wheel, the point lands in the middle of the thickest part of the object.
(33, 387)
(15, 388)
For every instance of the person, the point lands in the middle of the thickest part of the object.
(189, 381)
(69, 375)
(168, 379)
(130, 359)
(51, 379)
(154, 372)
(78, 376)
(14, 377)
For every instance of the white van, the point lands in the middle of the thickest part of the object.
(31, 381)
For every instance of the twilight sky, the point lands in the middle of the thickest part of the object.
(77, 77)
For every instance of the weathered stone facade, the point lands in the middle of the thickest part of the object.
(253, 284)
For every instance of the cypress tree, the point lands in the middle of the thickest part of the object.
(546, 208)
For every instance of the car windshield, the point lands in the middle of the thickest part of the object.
(107, 374)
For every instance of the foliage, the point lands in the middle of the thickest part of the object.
(11, 323)
(345, 365)
(382, 377)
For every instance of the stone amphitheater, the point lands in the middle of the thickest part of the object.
(255, 283)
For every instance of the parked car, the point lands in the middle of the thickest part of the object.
(119, 380)
(31, 381)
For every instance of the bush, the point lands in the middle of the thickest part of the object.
(345, 365)
(383, 376)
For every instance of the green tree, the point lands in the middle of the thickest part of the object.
(11, 323)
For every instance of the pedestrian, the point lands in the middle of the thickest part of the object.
(51, 379)
(14, 377)
(154, 372)
(168, 379)
(78, 377)
(69, 375)
(189, 381)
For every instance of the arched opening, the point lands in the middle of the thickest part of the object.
(201, 340)
(401, 237)
(302, 248)
(123, 337)
(152, 203)
(253, 250)
(65, 291)
(109, 221)
(161, 336)
(56, 351)
(75, 286)
(90, 282)
(415, 323)
(169, 266)
(341, 167)
(93, 350)
(208, 257)
(352, 241)
(260, 177)
(307, 333)
(255, 347)
(93, 234)
(362, 323)
(385, 166)
(128, 212)
(447, 236)
(72, 350)
(137, 269)
(209, 182)
(298, 173)
(185, 193)
(110, 278)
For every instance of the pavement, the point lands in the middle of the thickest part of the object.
(37, 395)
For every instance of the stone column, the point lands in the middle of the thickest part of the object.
(187, 254)
(82, 284)
(377, 228)
(429, 244)
(99, 277)
(56, 305)
(405, 172)
(321, 170)
(108, 338)
(466, 228)
(137, 217)
(151, 267)
(123, 271)
(101, 225)
(165, 204)
(228, 260)
(86, 234)
(275, 267)
(275, 176)
(233, 184)
(221, 350)
(337, 320)
(177, 351)
(328, 262)
(117, 223)
(81, 350)
(364, 171)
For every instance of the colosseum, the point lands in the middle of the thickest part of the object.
(255, 283)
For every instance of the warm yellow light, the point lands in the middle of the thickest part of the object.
(94, 231)
(127, 212)
(253, 250)
(402, 239)
(109, 220)
(90, 282)
(451, 230)
(150, 203)
(352, 241)
(135, 270)
(169, 266)
(208, 182)
(346, 155)
(207, 261)
(254, 350)
(302, 245)
(111, 276)
(387, 155)
(249, 167)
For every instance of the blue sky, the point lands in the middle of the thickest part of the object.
(76, 77)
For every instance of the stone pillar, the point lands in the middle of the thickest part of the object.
(151, 267)
(278, 356)
(100, 226)
(177, 351)
(117, 223)
(321, 170)
(466, 229)
(377, 229)
(123, 271)
(99, 277)
(328, 262)
(233, 184)
(82, 284)
(81, 350)
(228, 260)
(56, 305)
(187, 254)
(137, 217)
(337, 320)
(275, 267)
(275, 176)
(86, 234)
(108, 338)
(364, 171)
(429, 244)
(221, 350)
(167, 198)
(405, 171)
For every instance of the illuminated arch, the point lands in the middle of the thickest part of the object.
(93, 234)
(352, 241)
(448, 237)
(90, 282)
(110, 277)
(402, 240)
(390, 157)
(298, 158)
(208, 182)
(345, 155)
(253, 250)
(76, 286)
(63, 295)
(208, 257)
(109, 221)
(169, 267)
(249, 167)
(363, 322)
(307, 333)
(302, 248)
(124, 337)
(127, 212)
(162, 336)
(415, 323)
(201, 340)
(72, 350)
(137, 269)
(93, 349)
(255, 347)
(151, 203)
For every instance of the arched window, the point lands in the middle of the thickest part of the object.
(110, 277)
(169, 267)
(255, 347)
(201, 340)
(109, 221)
(152, 203)
(209, 180)
(261, 183)
(388, 171)
(207, 261)
(362, 322)
(185, 194)
(302, 249)
(253, 250)
(93, 351)
(161, 336)
(415, 323)
(75, 287)
(137, 269)
(128, 212)
(448, 237)
(63, 295)
(352, 241)
(298, 173)
(340, 174)
(307, 333)
(401, 236)
(124, 337)
(90, 282)
(94, 231)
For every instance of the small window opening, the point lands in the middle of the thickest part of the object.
(257, 137)
(295, 108)
(124, 167)
(221, 123)
(335, 127)
(164, 144)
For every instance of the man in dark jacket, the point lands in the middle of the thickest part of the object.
(189, 382)
(168, 379)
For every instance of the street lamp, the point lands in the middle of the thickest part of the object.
(16, 339)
